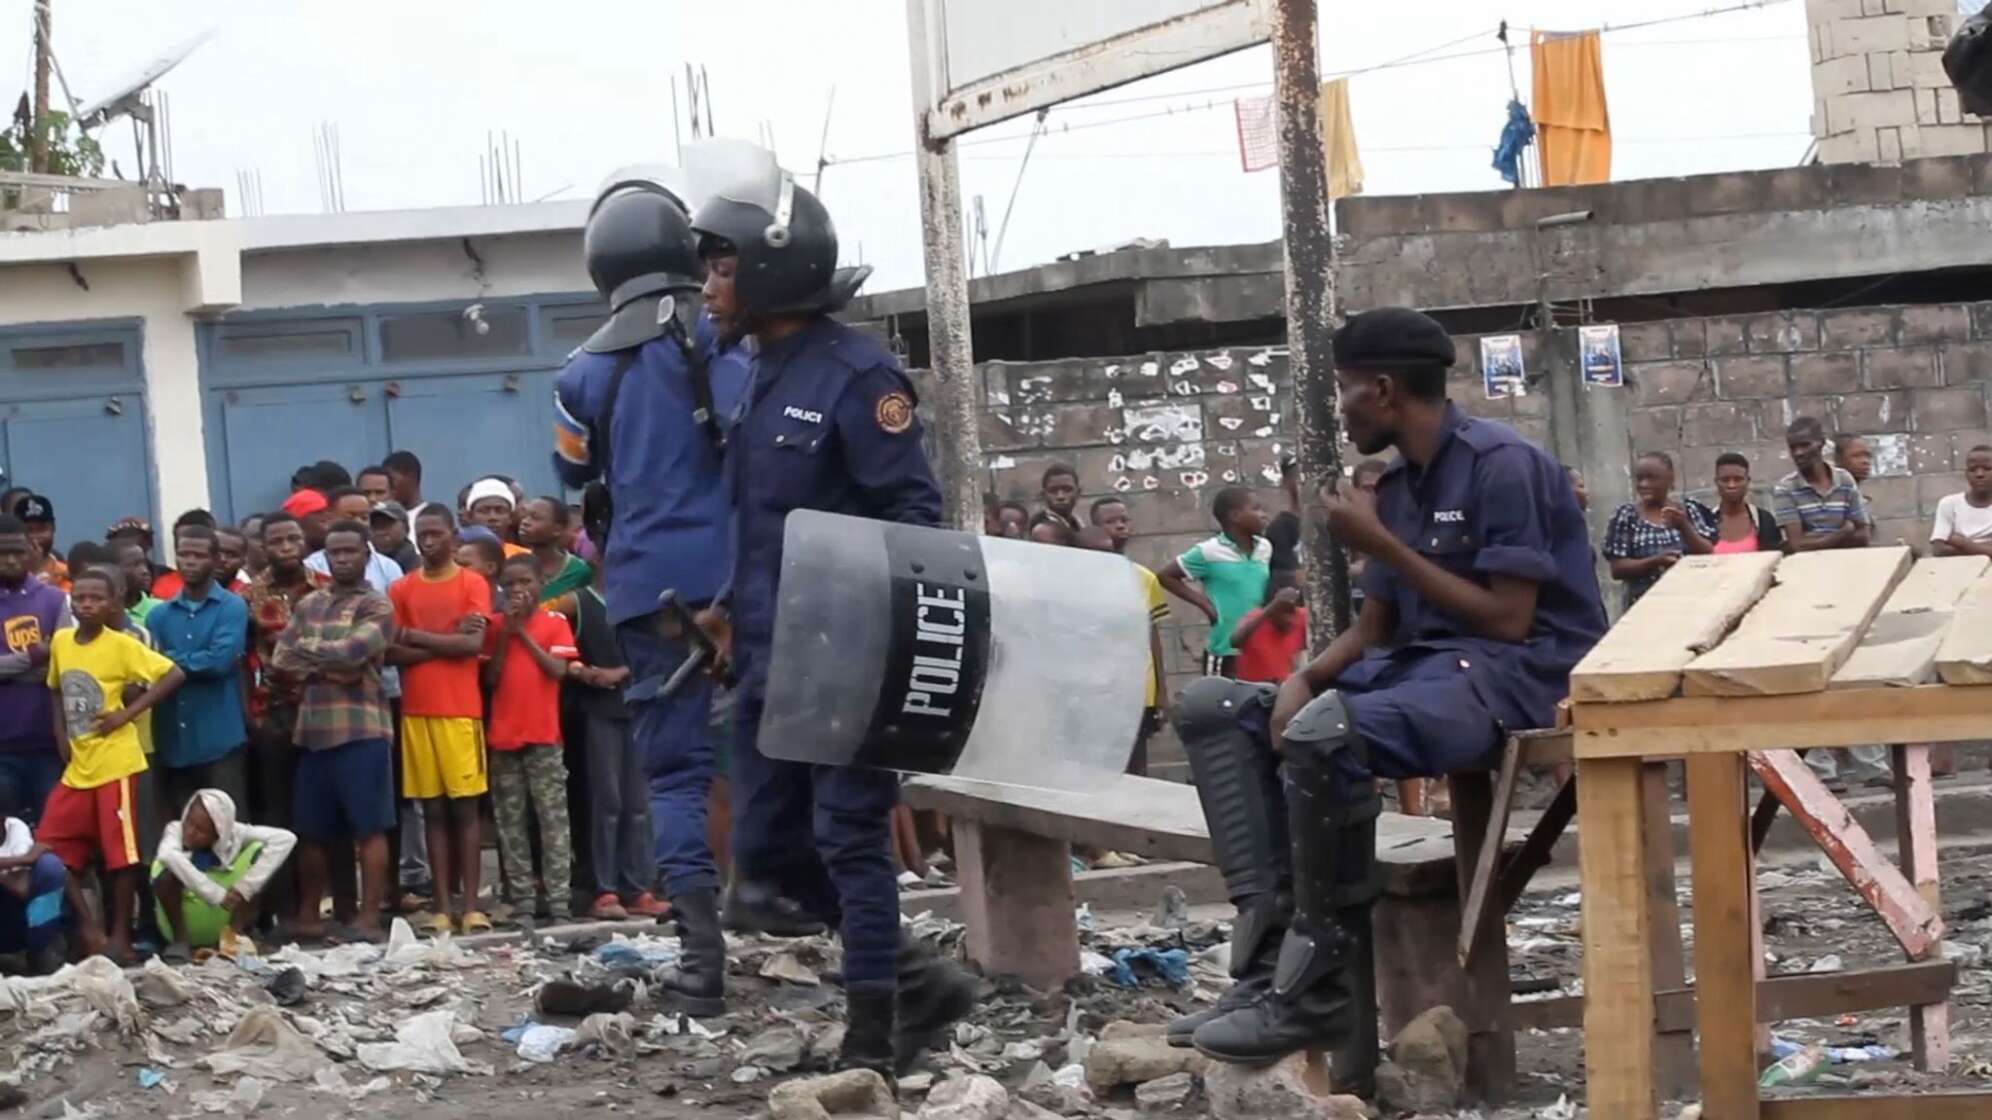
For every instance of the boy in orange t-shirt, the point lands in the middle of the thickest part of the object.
(531, 654)
(440, 619)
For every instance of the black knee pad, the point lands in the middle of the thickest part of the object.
(1209, 707)
(1236, 778)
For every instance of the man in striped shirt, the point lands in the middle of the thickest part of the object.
(1818, 505)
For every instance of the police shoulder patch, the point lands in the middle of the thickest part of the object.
(894, 412)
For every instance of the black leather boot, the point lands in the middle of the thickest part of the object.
(1255, 951)
(1222, 725)
(933, 994)
(758, 908)
(696, 985)
(1318, 998)
(868, 1033)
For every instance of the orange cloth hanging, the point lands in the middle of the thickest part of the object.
(1573, 128)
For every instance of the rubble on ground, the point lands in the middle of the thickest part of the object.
(519, 1030)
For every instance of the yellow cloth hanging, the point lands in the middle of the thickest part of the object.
(1573, 128)
(1338, 139)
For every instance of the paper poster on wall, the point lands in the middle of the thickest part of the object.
(1598, 347)
(1501, 371)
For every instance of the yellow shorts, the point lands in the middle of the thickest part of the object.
(442, 756)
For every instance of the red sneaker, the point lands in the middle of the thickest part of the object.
(608, 908)
(648, 905)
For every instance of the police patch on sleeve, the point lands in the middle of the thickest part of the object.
(894, 412)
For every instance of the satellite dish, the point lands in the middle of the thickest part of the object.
(124, 97)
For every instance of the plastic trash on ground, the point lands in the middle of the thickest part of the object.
(263, 1045)
(424, 1044)
(1801, 1068)
(543, 1043)
(1130, 965)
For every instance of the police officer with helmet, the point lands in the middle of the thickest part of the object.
(828, 424)
(638, 422)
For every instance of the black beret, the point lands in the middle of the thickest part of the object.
(1392, 338)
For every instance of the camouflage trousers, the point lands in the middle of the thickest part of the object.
(533, 777)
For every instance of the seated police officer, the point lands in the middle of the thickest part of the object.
(1480, 597)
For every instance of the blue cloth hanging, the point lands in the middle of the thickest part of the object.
(1516, 135)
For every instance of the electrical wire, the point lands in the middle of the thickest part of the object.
(1417, 58)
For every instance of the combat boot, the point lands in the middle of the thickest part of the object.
(933, 994)
(758, 908)
(868, 1033)
(696, 985)
(1255, 951)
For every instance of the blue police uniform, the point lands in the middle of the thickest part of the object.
(672, 530)
(828, 424)
(1440, 698)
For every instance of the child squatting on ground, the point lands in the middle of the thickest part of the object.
(210, 870)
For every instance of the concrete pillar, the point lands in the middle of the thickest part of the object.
(1879, 91)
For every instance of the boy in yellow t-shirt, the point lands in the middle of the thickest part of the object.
(93, 810)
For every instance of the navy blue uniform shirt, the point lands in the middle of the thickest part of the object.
(673, 524)
(828, 424)
(1489, 503)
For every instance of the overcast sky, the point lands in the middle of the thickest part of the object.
(585, 86)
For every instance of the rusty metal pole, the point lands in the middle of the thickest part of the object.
(957, 430)
(1310, 302)
(38, 133)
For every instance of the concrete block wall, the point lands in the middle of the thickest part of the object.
(1879, 90)
(1915, 381)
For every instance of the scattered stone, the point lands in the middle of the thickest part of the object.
(1021, 1109)
(1829, 963)
(1164, 1093)
(778, 1048)
(1294, 1088)
(824, 1043)
(974, 1097)
(1022, 1052)
(859, 1093)
(1131, 1060)
(1427, 1067)
(785, 967)
(1121, 1028)
(916, 1083)
(747, 1075)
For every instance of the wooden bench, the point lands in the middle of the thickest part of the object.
(1013, 861)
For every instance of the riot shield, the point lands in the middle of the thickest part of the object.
(941, 652)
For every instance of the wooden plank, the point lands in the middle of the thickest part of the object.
(1917, 925)
(1718, 838)
(1673, 1050)
(1965, 657)
(1618, 1013)
(1839, 718)
(1812, 995)
(1540, 845)
(1679, 618)
(1916, 845)
(1868, 1106)
(1801, 631)
(1490, 1042)
(1479, 880)
(1900, 646)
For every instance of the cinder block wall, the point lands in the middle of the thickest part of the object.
(1879, 90)
(1166, 431)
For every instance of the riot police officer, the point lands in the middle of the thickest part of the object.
(828, 424)
(1480, 597)
(638, 420)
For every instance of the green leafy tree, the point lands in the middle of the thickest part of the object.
(70, 151)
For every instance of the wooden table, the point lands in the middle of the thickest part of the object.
(1826, 650)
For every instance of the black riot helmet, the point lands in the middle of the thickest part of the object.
(785, 243)
(639, 248)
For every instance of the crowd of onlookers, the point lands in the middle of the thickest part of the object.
(326, 699)
(333, 697)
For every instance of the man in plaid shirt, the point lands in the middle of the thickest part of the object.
(334, 645)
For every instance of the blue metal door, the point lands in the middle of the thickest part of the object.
(467, 427)
(87, 455)
(269, 433)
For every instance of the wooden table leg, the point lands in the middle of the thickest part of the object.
(1618, 976)
(1916, 837)
(1673, 1051)
(1490, 1043)
(1725, 975)
(1017, 902)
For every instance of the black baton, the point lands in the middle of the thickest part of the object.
(679, 623)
